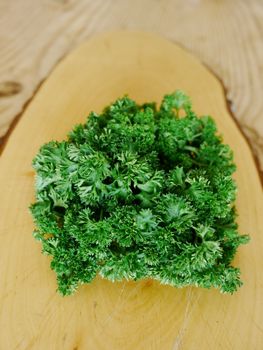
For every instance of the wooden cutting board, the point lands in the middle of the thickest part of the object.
(126, 315)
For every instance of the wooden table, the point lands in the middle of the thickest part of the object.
(226, 35)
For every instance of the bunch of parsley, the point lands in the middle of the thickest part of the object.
(139, 192)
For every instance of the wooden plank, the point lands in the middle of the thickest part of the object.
(225, 34)
(128, 315)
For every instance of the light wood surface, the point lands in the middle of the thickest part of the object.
(129, 315)
(226, 35)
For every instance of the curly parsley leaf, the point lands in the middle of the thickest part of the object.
(139, 192)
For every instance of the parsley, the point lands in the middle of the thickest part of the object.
(139, 192)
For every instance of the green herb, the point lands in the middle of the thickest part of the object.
(139, 192)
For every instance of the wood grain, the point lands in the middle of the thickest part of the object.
(129, 315)
(226, 35)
